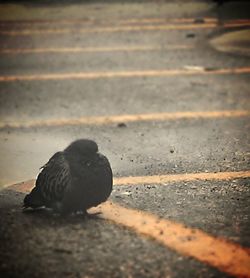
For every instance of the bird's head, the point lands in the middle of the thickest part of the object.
(82, 146)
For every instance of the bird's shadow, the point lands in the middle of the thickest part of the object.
(11, 207)
(43, 212)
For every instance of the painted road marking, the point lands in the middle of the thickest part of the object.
(92, 49)
(115, 119)
(156, 179)
(118, 21)
(163, 179)
(227, 256)
(186, 20)
(163, 27)
(170, 20)
(35, 22)
(123, 74)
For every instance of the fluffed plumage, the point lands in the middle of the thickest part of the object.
(72, 180)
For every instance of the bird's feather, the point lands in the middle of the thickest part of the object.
(54, 178)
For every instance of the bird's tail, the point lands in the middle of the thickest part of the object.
(33, 200)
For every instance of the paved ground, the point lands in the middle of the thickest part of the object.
(166, 96)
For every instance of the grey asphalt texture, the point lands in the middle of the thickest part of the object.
(43, 245)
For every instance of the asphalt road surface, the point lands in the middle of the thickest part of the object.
(163, 88)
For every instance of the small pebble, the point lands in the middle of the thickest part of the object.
(121, 125)
(199, 20)
(190, 35)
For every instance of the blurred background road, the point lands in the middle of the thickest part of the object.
(163, 88)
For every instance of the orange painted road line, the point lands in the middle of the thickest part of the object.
(156, 179)
(27, 32)
(23, 187)
(163, 179)
(236, 24)
(35, 22)
(164, 27)
(118, 21)
(169, 20)
(226, 256)
(92, 49)
(123, 74)
(105, 120)
(186, 20)
(122, 21)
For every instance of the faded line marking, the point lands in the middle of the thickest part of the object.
(169, 20)
(27, 32)
(236, 24)
(23, 187)
(227, 256)
(122, 74)
(156, 179)
(165, 27)
(122, 21)
(119, 21)
(105, 120)
(92, 49)
(162, 179)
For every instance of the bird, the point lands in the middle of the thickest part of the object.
(73, 180)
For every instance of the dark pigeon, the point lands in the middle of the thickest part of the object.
(73, 180)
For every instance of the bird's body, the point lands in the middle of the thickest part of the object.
(73, 180)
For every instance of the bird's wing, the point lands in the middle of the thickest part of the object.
(54, 178)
